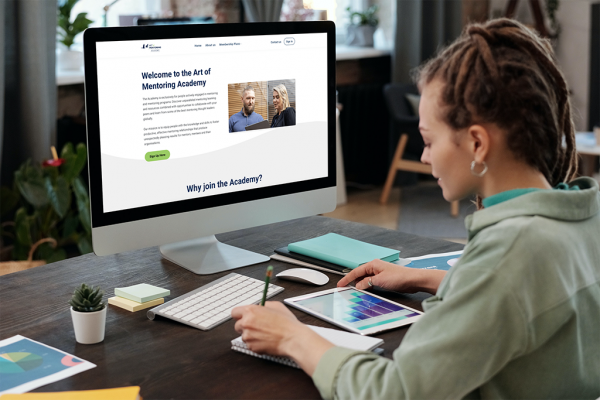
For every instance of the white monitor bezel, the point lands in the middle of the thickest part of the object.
(141, 227)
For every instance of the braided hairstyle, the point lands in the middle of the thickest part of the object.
(501, 72)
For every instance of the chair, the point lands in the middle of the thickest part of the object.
(410, 141)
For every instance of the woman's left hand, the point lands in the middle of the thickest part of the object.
(273, 329)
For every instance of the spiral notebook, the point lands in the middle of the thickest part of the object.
(337, 337)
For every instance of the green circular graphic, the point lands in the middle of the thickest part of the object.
(12, 363)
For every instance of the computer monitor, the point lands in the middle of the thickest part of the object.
(174, 21)
(170, 160)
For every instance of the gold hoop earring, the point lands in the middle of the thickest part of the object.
(478, 174)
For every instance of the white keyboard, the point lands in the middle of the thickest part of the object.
(211, 304)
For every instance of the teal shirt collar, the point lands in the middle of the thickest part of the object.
(511, 194)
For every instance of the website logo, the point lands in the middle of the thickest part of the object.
(152, 47)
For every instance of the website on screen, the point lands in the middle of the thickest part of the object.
(188, 118)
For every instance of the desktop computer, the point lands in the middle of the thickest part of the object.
(171, 162)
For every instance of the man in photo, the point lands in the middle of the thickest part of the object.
(239, 121)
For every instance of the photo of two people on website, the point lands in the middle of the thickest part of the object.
(262, 105)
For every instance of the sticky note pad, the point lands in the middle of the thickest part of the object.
(133, 306)
(142, 292)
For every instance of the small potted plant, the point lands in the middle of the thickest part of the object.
(362, 27)
(66, 31)
(89, 314)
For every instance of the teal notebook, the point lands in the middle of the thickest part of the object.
(142, 292)
(342, 250)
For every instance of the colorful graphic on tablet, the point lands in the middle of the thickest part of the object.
(359, 310)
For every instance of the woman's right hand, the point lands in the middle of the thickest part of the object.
(394, 277)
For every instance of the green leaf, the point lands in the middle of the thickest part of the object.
(81, 23)
(44, 251)
(58, 255)
(70, 225)
(30, 183)
(67, 151)
(83, 204)
(66, 7)
(84, 244)
(9, 199)
(59, 195)
(22, 228)
(74, 162)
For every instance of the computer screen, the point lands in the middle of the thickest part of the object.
(174, 21)
(198, 130)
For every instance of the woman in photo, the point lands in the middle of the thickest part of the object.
(286, 115)
(517, 316)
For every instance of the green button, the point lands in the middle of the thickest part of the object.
(158, 155)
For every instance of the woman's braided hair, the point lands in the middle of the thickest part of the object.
(501, 72)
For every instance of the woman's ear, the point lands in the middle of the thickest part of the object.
(478, 142)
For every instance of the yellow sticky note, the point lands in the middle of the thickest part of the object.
(133, 306)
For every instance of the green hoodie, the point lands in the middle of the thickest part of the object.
(517, 317)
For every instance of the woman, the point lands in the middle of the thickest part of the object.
(286, 115)
(517, 315)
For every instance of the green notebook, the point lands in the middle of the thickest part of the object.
(342, 250)
(142, 292)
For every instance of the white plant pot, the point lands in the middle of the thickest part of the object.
(70, 60)
(360, 35)
(89, 326)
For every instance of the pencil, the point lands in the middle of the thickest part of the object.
(267, 279)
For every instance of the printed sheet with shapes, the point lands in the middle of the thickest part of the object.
(443, 261)
(26, 365)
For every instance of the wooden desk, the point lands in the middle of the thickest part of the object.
(171, 360)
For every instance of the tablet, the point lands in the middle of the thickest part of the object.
(355, 310)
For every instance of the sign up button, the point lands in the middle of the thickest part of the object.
(289, 41)
(158, 155)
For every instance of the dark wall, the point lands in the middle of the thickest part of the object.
(364, 124)
(594, 103)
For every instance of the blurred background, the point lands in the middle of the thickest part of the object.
(378, 42)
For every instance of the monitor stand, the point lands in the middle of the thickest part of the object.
(206, 255)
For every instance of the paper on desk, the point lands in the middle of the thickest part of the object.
(337, 337)
(443, 261)
(26, 365)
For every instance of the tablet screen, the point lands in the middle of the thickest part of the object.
(356, 309)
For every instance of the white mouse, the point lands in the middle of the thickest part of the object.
(304, 275)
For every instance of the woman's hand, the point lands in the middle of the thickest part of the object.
(394, 277)
(273, 329)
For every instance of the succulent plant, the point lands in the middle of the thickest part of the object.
(87, 299)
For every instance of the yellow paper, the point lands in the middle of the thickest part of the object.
(133, 306)
(124, 393)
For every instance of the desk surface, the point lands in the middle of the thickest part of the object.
(171, 360)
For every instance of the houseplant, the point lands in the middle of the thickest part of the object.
(67, 30)
(48, 201)
(362, 27)
(89, 314)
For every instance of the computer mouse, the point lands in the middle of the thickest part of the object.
(304, 275)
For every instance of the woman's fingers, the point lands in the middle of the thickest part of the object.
(238, 312)
(363, 284)
(365, 269)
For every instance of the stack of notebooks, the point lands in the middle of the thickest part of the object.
(338, 338)
(138, 297)
(334, 253)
